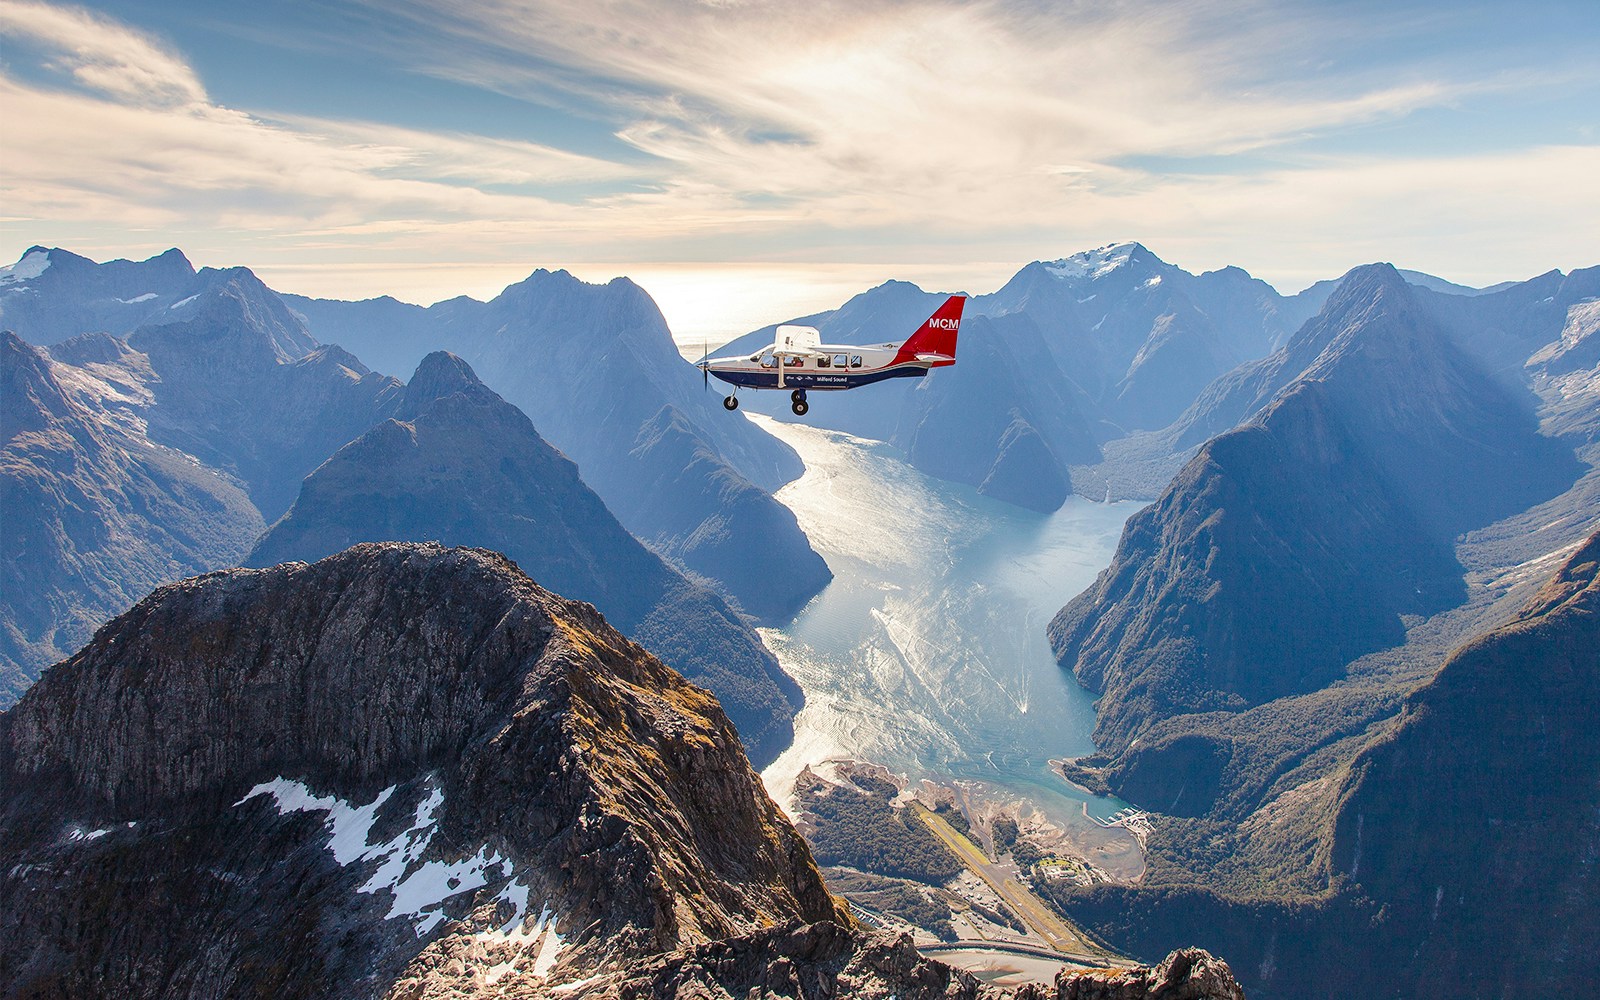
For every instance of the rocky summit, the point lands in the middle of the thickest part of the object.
(326, 780)
(409, 771)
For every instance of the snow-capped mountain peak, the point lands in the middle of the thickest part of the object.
(1095, 263)
(32, 264)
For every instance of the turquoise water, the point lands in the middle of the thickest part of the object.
(927, 653)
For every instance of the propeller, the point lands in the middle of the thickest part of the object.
(705, 370)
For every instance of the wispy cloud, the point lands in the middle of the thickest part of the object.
(919, 132)
(104, 55)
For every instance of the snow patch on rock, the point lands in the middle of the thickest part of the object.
(1092, 263)
(420, 888)
(32, 264)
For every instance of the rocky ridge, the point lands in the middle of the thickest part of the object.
(492, 763)
(407, 771)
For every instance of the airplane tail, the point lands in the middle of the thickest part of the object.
(935, 340)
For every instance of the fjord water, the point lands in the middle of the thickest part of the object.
(927, 652)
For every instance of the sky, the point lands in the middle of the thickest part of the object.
(753, 160)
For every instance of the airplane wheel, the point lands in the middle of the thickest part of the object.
(730, 403)
(798, 396)
(800, 407)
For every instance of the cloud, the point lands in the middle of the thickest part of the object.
(886, 113)
(137, 143)
(104, 55)
(881, 130)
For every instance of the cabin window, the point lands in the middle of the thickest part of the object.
(842, 360)
(769, 361)
(855, 361)
(823, 362)
(795, 363)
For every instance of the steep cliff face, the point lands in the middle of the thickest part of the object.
(460, 465)
(1451, 843)
(1485, 798)
(327, 779)
(1290, 546)
(94, 515)
(1274, 558)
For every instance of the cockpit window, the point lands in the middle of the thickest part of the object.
(855, 361)
(769, 361)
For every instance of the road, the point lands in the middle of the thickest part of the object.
(1039, 918)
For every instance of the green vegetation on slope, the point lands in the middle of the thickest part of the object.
(858, 825)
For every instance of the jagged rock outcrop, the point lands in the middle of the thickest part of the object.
(824, 961)
(1189, 974)
(94, 514)
(458, 464)
(321, 780)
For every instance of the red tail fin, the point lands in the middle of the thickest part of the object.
(936, 339)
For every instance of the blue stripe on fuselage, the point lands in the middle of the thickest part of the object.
(815, 380)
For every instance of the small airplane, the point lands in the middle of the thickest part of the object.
(798, 360)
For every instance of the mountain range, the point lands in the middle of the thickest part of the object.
(1290, 546)
(1081, 364)
(136, 460)
(595, 368)
(1344, 659)
(1326, 666)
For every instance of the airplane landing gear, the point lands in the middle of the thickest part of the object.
(799, 406)
(798, 396)
(730, 403)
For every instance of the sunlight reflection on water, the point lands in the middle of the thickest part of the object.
(927, 653)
